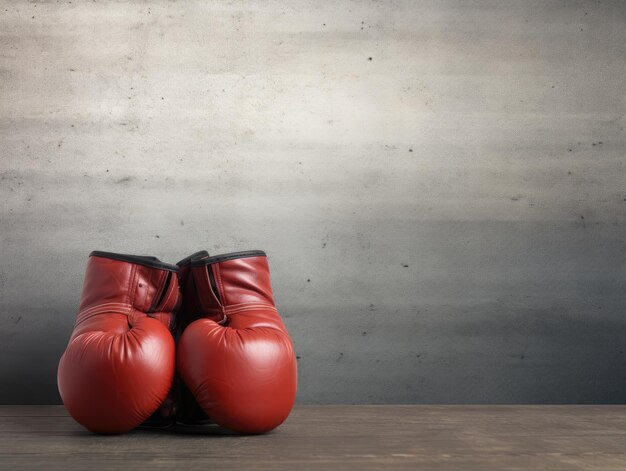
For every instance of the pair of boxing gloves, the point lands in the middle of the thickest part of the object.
(233, 358)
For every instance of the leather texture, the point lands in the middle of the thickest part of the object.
(120, 360)
(235, 354)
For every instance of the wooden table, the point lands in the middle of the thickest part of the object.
(336, 437)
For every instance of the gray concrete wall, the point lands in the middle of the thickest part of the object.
(440, 185)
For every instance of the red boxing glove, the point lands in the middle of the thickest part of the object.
(119, 364)
(235, 354)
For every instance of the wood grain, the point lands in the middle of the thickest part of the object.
(337, 437)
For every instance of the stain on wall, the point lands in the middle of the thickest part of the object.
(440, 185)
